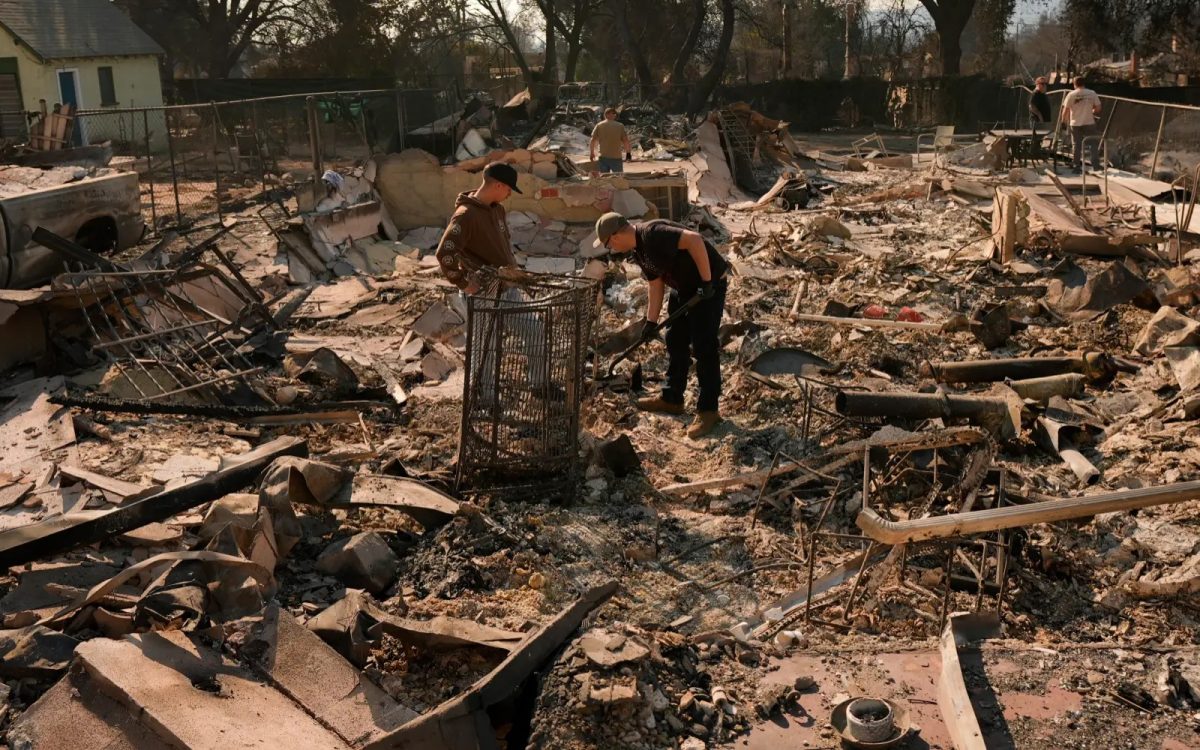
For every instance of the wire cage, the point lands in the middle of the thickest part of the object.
(527, 347)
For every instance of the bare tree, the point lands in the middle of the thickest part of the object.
(568, 18)
(1102, 27)
(679, 66)
(992, 18)
(641, 66)
(720, 59)
(1042, 44)
(308, 27)
(505, 24)
(893, 36)
(1174, 25)
(228, 27)
(950, 18)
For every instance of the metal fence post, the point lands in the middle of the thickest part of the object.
(314, 137)
(1162, 121)
(362, 120)
(400, 118)
(150, 172)
(258, 145)
(174, 172)
(217, 157)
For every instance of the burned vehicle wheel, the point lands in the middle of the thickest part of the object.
(99, 236)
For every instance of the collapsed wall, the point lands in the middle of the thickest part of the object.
(418, 191)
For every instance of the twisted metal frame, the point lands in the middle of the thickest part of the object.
(527, 346)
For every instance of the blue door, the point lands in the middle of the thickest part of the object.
(68, 87)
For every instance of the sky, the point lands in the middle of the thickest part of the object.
(1027, 10)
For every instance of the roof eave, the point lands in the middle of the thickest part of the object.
(92, 57)
(20, 42)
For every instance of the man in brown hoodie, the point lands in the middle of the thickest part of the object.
(477, 236)
(476, 240)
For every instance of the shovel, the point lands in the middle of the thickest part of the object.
(624, 355)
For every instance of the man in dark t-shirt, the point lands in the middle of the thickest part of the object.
(1039, 105)
(671, 255)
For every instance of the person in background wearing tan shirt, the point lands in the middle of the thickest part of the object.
(610, 135)
(1080, 108)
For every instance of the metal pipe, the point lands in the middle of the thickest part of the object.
(149, 167)
(1043, 389)
(217, 157)
(1162, 122)
(1101, 144)
(1097, 367)
(996, 519)
(314, 138)
(919, 405)
(174, 171)
(153, 334)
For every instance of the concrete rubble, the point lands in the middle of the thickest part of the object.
(958, 470)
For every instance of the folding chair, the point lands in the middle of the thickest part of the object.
(872, 142)
(941, 141)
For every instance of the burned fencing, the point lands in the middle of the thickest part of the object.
(196, 162)
(526, 350)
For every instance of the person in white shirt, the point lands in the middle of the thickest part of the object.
(1080, 108)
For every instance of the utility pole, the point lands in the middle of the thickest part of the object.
(462, 43)
(848, 70)
(786, 13)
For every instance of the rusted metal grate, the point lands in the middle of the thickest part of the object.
(526, 350)
(171, 334)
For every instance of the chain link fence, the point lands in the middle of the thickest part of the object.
(1151, 139)
(197, 162)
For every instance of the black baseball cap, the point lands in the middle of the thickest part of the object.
(501, 172)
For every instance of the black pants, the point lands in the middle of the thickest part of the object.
(695, 335)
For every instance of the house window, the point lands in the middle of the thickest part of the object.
(108, 90)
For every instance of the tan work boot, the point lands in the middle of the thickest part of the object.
(704, 423)
(658, 405)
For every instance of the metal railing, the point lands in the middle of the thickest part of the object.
(1158, 140)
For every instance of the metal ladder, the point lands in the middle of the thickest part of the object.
(738, 141)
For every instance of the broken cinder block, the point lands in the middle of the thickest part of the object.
(363, 560)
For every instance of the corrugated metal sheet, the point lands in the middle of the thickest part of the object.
(57, 29)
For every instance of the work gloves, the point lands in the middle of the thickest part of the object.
(650, 330)
(706, 291)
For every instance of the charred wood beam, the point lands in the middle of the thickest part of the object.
(953, 698)
(232, 412)
(61, 533)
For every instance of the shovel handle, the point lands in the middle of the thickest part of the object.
(621, 357)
